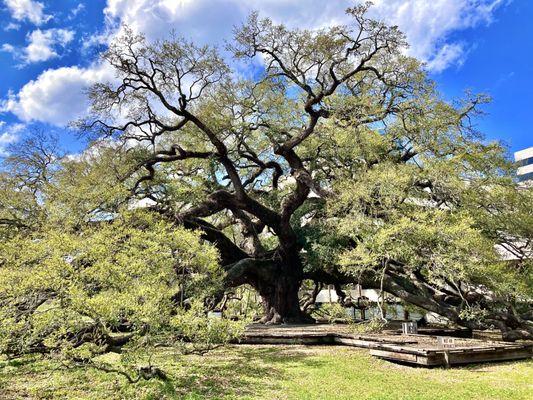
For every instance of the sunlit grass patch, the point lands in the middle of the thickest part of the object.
(270, 372)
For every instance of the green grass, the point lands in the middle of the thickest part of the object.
(271, 372)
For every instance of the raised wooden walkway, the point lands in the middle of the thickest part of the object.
(418, 349)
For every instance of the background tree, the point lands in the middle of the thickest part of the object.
(23, 175)
(84, 274)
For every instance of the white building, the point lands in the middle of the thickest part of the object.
(524, 160)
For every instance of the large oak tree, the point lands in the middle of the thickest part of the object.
(330, 157)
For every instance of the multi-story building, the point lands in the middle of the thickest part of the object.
(524, 160)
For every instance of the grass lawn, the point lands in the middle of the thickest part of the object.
(272, 372)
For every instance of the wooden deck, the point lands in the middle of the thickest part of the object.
(423, 350)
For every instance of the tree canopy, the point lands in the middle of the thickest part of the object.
(336, 160)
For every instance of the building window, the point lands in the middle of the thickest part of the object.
(525, 161)
(525, 177)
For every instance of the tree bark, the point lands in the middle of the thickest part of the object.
(280, 301)
(277, 282)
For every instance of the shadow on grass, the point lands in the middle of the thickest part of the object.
(17, 362)
(236, 371)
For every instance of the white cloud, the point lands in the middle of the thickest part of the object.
(29, 10)
(6, 139)
(203, 20)
(8, 136)
(8, 48)
(43, 45)
(56, 96)
(449, 54)
(76, 10)
(12, 27)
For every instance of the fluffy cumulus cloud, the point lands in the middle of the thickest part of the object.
(27, 10)
(9, 134)
(8, 48)
(427, 24)
(55, 96)
(42, 45)
(448, 54)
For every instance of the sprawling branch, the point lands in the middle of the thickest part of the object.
(336, 106)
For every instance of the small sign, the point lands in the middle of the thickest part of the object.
(446, 342)
(350, 312)
(409, 328)
(214, 314)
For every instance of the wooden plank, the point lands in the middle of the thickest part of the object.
(392, 355)
(355, 342)
(422, 360)
(408, 350)
(499, 355)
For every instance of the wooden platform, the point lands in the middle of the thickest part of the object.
(418, 349)
(453, 332)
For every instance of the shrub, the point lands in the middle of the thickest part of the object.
(78, 294)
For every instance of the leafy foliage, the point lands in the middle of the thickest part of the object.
(338, 162)
(78, 294)
(332, 312)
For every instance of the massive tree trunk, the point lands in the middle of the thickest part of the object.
(280, 301)
(277, 282)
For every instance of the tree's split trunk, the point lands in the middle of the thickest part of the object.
(281, 303)
(277, 282)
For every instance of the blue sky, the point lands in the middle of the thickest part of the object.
(500, 64)
(48, 50)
